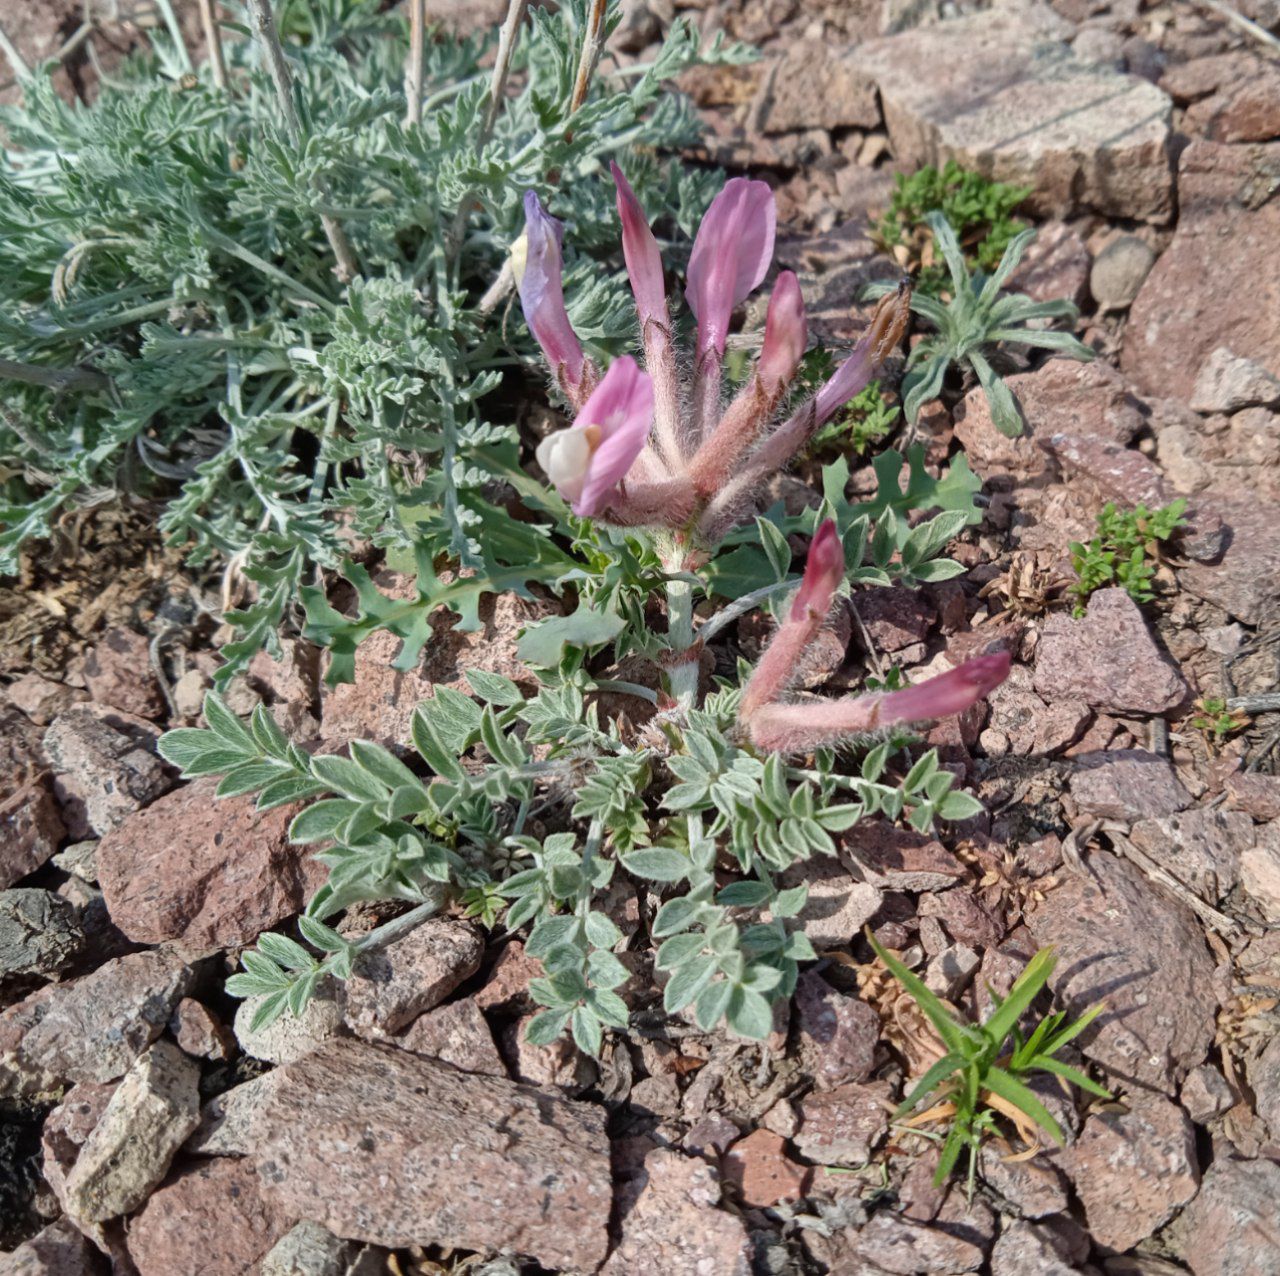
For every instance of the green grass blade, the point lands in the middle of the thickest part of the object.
(953, 1033)
(1068, 1073)
(928, 1083)
(1072, 1030)
(1009, 1088)
(1024, 991)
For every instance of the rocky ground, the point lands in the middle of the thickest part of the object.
(143, 1125)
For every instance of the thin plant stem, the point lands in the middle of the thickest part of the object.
(175, 33)
(592, 43)
(213, 43)
(748, 602)
(1247, 25)
(416, 65)
(502, 66)
(53, 378)
(16, 60)
(627, 689)
(264, 26)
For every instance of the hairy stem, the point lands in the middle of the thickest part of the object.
(417, 58)
(501, 66)
(682, 674)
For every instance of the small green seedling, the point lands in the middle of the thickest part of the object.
(1124, 552)
(977, 318)
(979, 209)
(865, 421)
(983, 1073)
(1215, 721)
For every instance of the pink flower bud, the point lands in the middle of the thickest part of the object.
(800, 728)
(587, 461)
(539, 270)
(888, 325)
(640, 248)
(823, 572)
(785, 334)
(731, 254)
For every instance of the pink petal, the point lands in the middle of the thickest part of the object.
(731, 254)
(640, 248)
(785, 333)
(542, 293)
(948, 693)
(622, 406)
(823, 572)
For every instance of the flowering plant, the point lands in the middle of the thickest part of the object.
(706, 800)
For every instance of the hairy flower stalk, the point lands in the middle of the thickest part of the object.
(802, 727)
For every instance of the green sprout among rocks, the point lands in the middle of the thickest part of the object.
(983, 1074)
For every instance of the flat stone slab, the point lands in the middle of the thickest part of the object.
(382, 1145)
(1000, 92)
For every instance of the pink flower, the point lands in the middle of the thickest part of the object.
(855, 373)
(823, 572)
(731, 254)
(587, 461)
(640, 248)
(785, 334)
(800, 728)
(538, 264)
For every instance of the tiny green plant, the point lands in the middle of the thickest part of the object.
(976, 319)
(980, 210)
(1124, 552)
(866, 420)
(983, 1074)
(1215, 720)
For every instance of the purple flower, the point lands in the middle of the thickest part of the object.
(731, 254)
(538, 270)
(644, 261)
(587, 461)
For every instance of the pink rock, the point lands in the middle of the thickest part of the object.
(1229, 1229)
(1128, 944)
(58, 1250)
(42, 699)
(210, 1217)
(762, 1172)
(1176, 322)
(1056, 265)
(894, 618)
(898, 859)
(836, 1033)
(92, 1028)
(103, 772)
(1108, 659)
(379, 704)
(1202, 848)
(1085, 399)
(213, 873)
(336, 1148)
(200, 1033)
(843, 1126)
(1244, 580)
(816, 86)
(117, 672)
(895, 1243)
(508, 983)
(457, 1033)
(674, 1224)
(1127, 785)
(391, 987)
(1086, 136)
(1133, 1170)
(1256, 794)
(30, 831)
